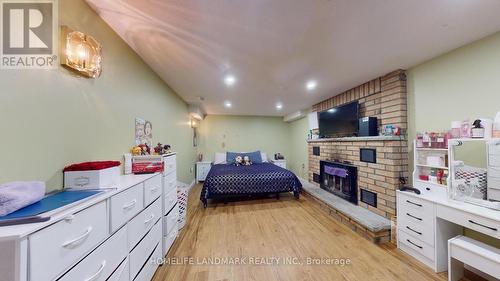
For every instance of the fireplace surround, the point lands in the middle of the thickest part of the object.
(340, 179)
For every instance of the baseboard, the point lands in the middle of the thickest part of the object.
(193, 183)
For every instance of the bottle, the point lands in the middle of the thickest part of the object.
(455, 129)
(420, 140)
(496, 126)
(427, 140)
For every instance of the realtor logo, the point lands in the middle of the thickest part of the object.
(28, 34)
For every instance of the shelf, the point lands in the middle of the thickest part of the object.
(432, 149)
(428, 182)
(433, 167)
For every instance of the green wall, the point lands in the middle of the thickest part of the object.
(298, 161)
(459, 85)
(51, 118)
(218, 133)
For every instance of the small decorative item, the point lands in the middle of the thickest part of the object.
(238, 161)
(81, 52)
(143, 132)
(158, 149)
(456, 129)
(465, 129)
(246, 161)
(167, 149)
(388, 130)
(477, 129)
(496, 126)
(136, 150)
(278, 156)
(145, 150)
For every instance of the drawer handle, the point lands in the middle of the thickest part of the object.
(78, 239)
(99, 271)
(485, 226)
(419, 205)
(420, 247)
(409, 228)
(412, 216)
(130, 205)
(150, 219)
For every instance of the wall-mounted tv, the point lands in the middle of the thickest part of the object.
(341, 121)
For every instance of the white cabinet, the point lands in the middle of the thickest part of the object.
(202, 169)
(170, 210)
(280, 163)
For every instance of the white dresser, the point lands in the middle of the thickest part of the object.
(115, 235)
(170, 211)
(281, 163)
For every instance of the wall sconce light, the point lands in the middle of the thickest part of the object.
(193, 123)
(81, 52)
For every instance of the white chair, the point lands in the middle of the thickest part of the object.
(464, 250)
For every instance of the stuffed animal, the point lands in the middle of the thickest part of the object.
(238, 160)
(145, 150)
(136, 150)
(159, 149)
(166, 149)
(246, 161)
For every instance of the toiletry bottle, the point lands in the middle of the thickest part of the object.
(496, 126)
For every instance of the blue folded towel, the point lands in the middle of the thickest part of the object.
(17, 195)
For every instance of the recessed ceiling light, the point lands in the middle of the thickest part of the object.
(311, 85)
(279, 106)
(227, 104)
(332, 110)
(229, 80)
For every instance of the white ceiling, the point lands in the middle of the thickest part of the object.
(273, 47)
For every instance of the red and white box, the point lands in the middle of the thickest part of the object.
(147, 164)
(92, 175)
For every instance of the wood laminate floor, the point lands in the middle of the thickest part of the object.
(258, 231)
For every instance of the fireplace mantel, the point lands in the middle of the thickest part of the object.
(375, 138)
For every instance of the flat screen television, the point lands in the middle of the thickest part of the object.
(341, 121)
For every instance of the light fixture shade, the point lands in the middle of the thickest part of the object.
(82, 53)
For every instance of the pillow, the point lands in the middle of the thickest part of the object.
(220, 158)
(263, 156)
(255, 156)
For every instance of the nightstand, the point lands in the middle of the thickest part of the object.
(280, 163)
(202, 169)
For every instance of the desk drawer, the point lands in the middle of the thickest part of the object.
(170, 164)
(170, 200)
(142, 223)
(170, 220)
(417, 230)
(417, 211)
(170, 183)
(417, 245)
(474, 222)
(121, 273)
(149, 269)
(125, 205)
(55, 248)
(144, 249)
(102, 262)
(152, 189)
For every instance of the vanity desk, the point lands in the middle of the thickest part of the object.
(426, 222)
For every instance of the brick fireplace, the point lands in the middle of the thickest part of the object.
(385, 98)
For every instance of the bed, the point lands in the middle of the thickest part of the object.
(228, 180)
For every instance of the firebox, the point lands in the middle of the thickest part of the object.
(340, 179)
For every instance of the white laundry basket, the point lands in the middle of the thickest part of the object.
(182, 199)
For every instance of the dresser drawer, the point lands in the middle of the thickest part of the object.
(170, 164)
(416, 248)
(170, 200)
(170, 220)
(143, 250)
(125, 205)
(170, 182)
(152, 189)
(55, 248)
(416, 210)
(102, 261)
(148, 270)
(121, 273)
(168, 240)
(417, 230)
(474, 222)
(494, 160)
(143, 222)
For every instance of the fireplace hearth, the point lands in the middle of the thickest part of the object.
(340, 179)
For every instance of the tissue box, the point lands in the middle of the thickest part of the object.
(105, 178)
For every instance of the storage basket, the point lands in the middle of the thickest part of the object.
(182, 199)
(468, 173)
